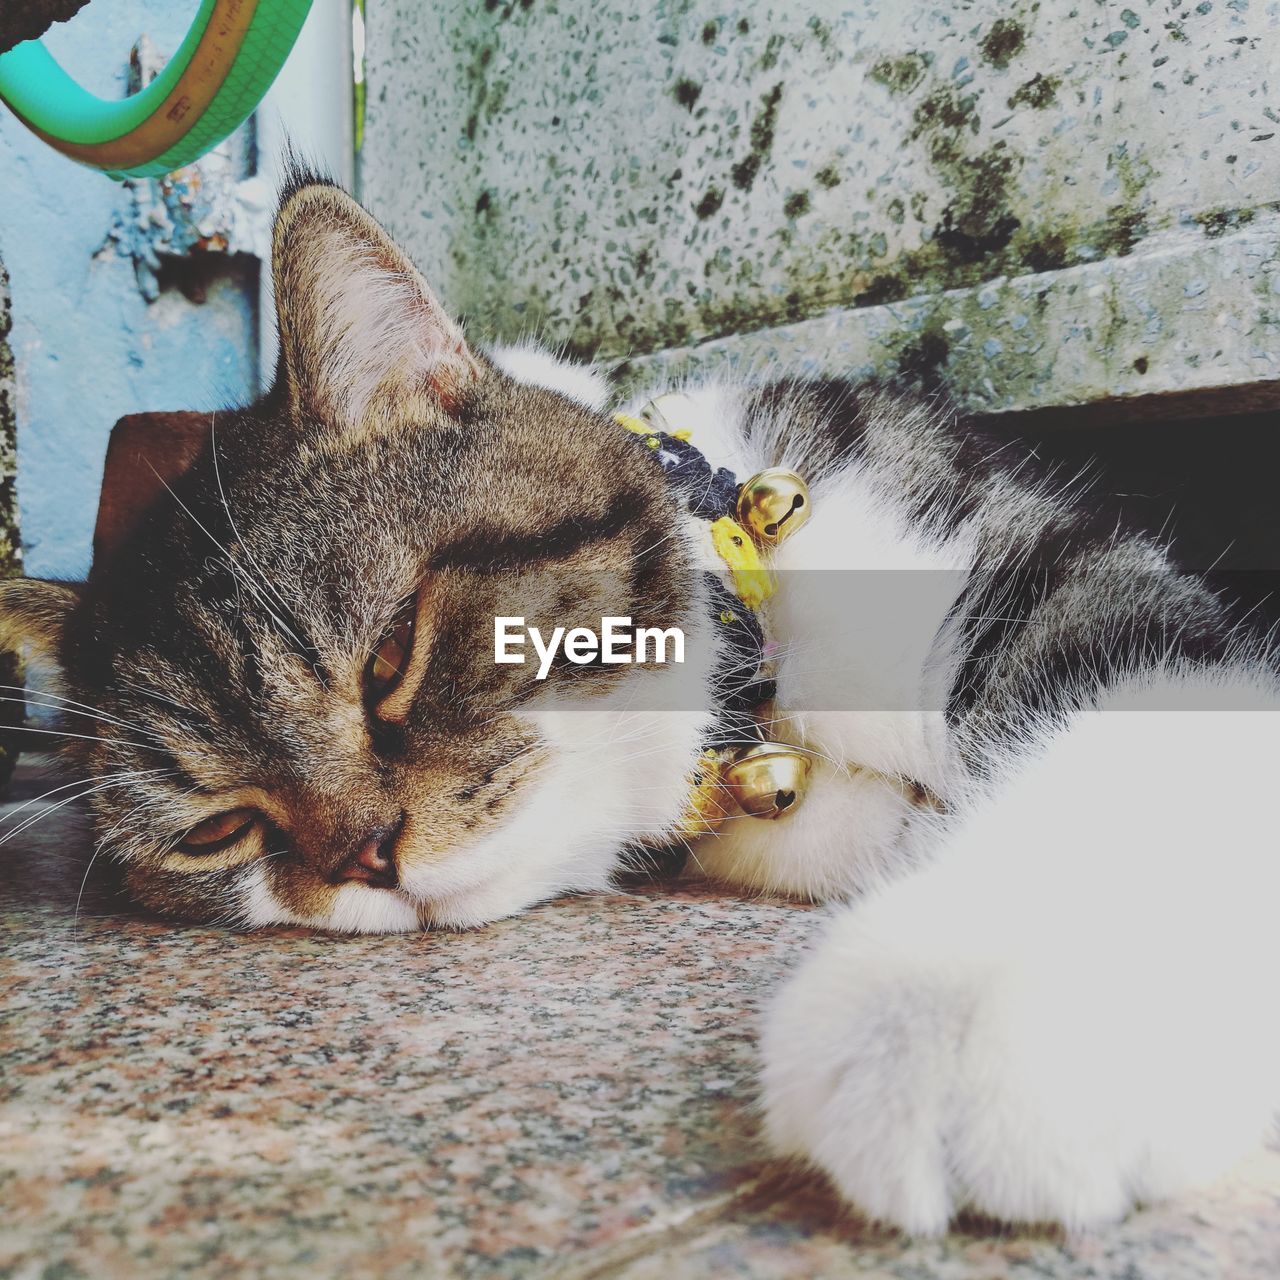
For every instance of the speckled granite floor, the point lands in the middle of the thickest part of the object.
(563, 1095)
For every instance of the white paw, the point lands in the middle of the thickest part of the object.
(926, 1080)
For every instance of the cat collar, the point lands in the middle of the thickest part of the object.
(739, 769)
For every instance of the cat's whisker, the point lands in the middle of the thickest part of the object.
(101, 845)
(235, 913)
(624, 713)
(176, 840)
(237, 570)
(226, 506)
(65, 704)
(84, 880)
(78, 782)
(88, 715)
(62, 804)
(677, 532)
(86, 737)
(157, 696)
(688, 845)
(641, 729)
(109, 835)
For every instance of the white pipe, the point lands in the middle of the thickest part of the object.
(310, 107)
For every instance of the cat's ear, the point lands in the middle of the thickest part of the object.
(33, 614)
(360, 331)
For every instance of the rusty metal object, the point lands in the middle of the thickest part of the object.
(28, 19)
(147, 451)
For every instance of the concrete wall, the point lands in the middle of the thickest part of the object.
(10, 557)
(1049, 201)
(10, 547)
(88, 346)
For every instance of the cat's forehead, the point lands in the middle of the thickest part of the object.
(507, 448)
(331, 537)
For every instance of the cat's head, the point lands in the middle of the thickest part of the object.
(292, 710)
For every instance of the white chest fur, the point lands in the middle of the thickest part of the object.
(856, 619)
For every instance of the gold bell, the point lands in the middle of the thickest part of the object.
(768, 779)
(773, 504)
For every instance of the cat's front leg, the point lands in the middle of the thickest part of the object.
(1070, 1010)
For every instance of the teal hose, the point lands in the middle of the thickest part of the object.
(227, 61)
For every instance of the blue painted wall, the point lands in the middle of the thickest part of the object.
(87, 346)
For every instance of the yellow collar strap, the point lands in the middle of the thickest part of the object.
(753, 583)
(759, 779)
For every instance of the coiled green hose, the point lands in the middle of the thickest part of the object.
(225, 64)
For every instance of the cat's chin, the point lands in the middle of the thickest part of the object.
(459, 902)
(480, 907)
(356, 909)
(362, 910)
(359, 909)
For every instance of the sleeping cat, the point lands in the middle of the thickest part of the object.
(1041, 756)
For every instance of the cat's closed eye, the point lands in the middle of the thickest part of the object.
(218, 833)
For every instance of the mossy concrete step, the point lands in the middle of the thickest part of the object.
(633, 178)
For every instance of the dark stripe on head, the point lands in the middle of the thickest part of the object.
(286, 625)
(243, 587)
(491, 550)
(1005, 599)
(175, 775)
(1030, 654)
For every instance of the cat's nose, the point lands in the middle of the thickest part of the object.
(374, 861)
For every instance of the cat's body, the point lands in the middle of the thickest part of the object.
(1061, 1000)
(1042, 755)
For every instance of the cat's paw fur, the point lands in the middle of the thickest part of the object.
(1069, 1011)
(905, 1086)
(855, 1083)
(925, 1085)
